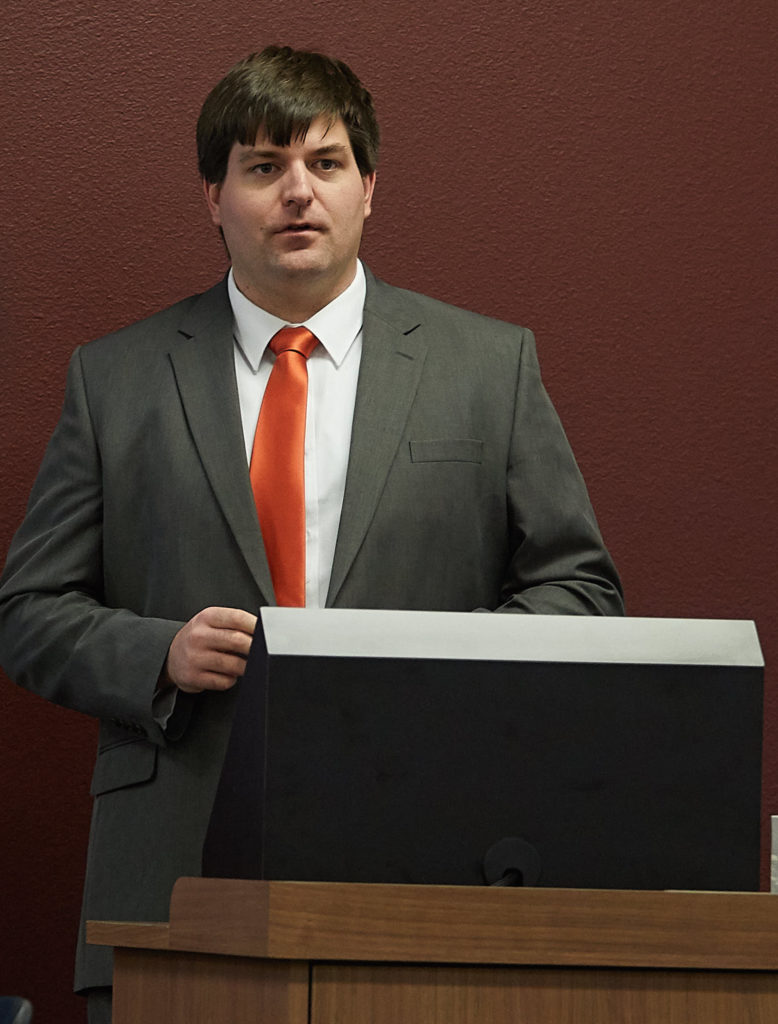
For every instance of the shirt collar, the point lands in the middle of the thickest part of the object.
(336, 326)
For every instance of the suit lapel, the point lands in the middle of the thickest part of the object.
(393, 353)
(203, 362)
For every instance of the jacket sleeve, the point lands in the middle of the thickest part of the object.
(558, 562)
(57, 637)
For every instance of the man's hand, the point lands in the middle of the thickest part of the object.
(210, 651)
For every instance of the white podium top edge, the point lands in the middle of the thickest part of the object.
(467, 636)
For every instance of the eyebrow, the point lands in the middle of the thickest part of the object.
(267, 154)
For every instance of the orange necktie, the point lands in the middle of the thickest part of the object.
(277, 463)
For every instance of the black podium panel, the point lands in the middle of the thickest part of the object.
(376, 769)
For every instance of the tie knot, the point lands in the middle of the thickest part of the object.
(297, 339)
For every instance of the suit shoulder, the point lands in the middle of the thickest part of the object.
(152, 332)
(415, 308)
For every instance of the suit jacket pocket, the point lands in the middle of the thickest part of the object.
(455, 449)
(121, 764)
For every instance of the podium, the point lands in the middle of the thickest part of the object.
(267, 952)
(375, 749)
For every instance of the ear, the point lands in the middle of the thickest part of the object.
(368, 184)
(212, 194)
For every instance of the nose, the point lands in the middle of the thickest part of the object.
(297, 188)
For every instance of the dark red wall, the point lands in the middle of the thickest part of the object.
(603, 173)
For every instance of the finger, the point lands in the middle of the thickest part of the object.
(230, 641)
(219, 663)
(208, 681)
(202, 641)
(229, 618)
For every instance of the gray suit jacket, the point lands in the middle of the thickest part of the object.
(461, 493)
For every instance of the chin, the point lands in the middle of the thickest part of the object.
(303, 262)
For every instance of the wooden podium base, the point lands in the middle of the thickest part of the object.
(329, 953)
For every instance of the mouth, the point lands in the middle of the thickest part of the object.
(297, 229)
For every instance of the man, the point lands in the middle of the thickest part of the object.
(434, 474)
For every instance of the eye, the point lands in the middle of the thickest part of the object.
(328, 164)
(262, 169)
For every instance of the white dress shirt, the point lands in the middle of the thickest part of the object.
(333, 368)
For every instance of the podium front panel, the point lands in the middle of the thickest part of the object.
(412, 768)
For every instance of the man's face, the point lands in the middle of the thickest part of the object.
(292, 218)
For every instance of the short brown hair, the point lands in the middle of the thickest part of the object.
(281, 91)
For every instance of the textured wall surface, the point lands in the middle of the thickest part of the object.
(602, 172)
